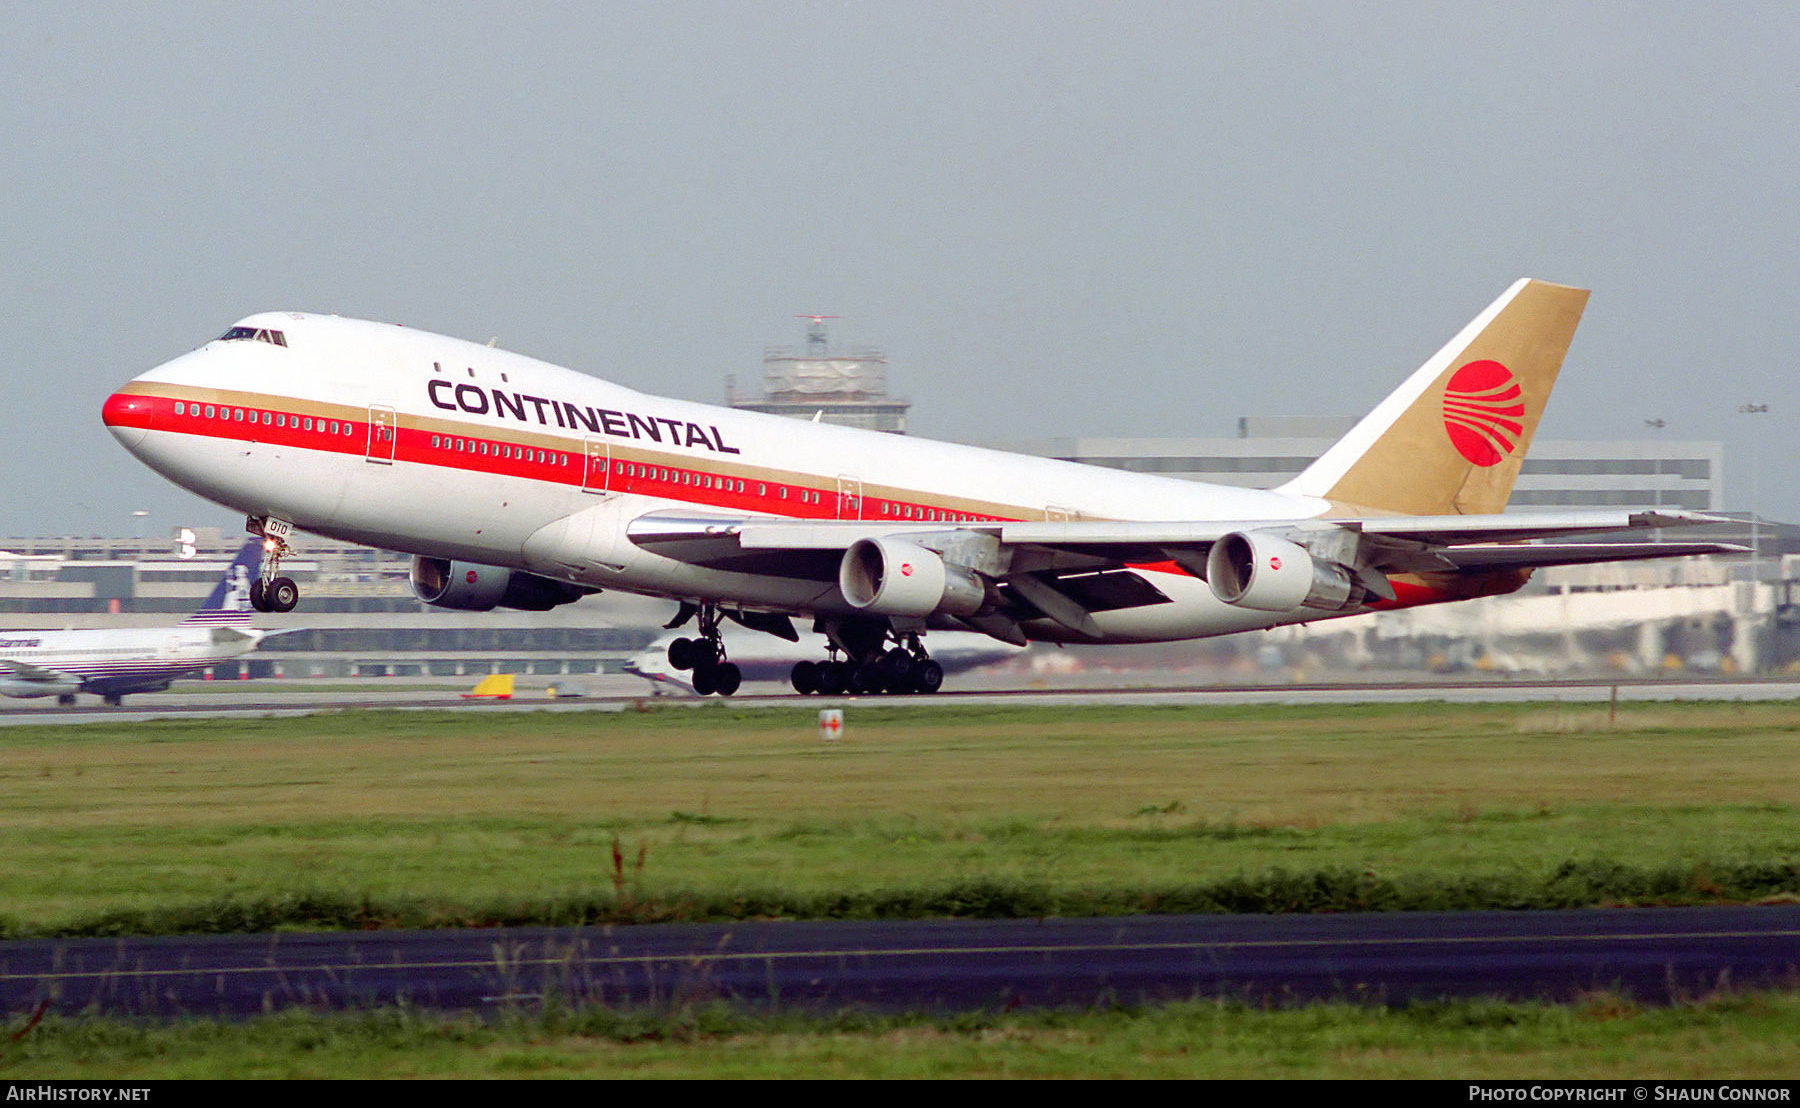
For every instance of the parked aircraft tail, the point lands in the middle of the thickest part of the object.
(1450, 440)
(228, 605)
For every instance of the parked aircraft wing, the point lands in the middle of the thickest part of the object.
(25, 671)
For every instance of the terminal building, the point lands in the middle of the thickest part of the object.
(1635, 473)
(359, 618)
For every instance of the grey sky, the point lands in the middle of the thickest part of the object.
(1059, 219)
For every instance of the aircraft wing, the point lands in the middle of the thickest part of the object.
(813, 549)
(24, 679)
(25, 671)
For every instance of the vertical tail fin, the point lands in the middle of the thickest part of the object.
(229, 602)
(1450, 440)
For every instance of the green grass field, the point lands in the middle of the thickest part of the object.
(404, 818)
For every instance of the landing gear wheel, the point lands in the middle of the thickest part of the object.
(257, 599)
(706, 680)
(66, 700)
(896, 670)
(280, 595)
(682, 653)
(833, 678)
(928, 677)
(805, 678)
(726, 678)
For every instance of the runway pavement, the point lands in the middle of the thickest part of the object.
(1650, 955)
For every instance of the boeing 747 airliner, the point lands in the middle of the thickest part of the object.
(518, 483)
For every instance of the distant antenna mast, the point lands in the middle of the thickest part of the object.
(816, 344)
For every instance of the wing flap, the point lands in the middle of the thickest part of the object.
(1541, 554)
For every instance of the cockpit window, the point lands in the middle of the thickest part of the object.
(254, 334)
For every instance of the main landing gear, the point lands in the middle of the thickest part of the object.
(705, 657)
(270, 592)
(902, 668)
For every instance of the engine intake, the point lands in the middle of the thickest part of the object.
(1269, 574)
(893, 577)
(472, 587)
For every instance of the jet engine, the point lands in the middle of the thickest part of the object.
(1255, 570)
(471, 587)
(12, 686)
(893, 577)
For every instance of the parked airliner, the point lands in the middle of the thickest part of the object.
(519, 483)
(112, 662)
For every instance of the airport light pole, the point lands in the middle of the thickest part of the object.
(1656, 474)
(1755, 489)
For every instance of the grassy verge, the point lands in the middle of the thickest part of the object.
(1746, 1037)
(424, 819)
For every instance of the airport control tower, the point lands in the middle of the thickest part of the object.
(848, 388)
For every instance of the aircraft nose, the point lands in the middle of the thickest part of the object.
(127, 417)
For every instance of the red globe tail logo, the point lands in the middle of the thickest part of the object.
(1483, 410)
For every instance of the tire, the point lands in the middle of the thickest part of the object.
(257, 600)
(282, 595)
(706, 680)
(682, 654)
(805, 678)
(727, 678)
(928, 677)
(897, 669)
(833, 678)
(868, 679)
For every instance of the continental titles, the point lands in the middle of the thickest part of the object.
(547, 412)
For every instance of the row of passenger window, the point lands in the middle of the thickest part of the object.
(506, 450)
(889, 508)
(914, 511)
(701, 480)
(267, 419)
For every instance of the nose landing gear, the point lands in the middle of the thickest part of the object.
(271, 592)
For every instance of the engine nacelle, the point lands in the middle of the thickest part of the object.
(471, 587)
(1269, 574)
(12, 686)
(893, 577)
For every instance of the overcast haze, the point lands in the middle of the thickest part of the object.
(1058, 219)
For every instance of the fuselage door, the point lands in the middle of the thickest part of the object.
(850, 498)
(594, 475)
(381, 434)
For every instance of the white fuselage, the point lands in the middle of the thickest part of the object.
(416, 442)
(116, 661)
